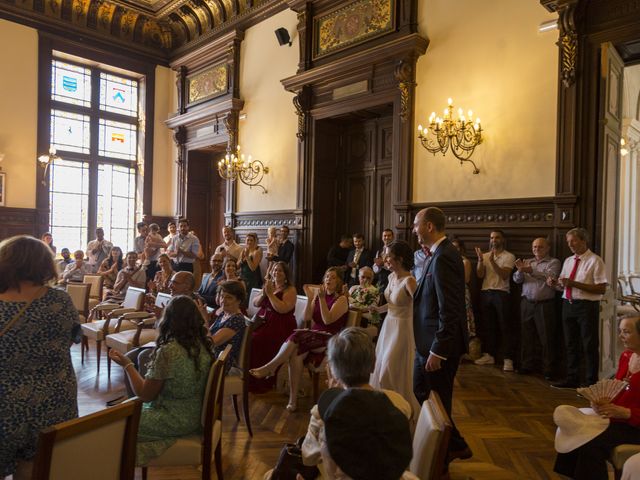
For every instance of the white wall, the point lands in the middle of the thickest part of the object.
(489, 57)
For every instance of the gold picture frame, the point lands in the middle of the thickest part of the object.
(209, 83)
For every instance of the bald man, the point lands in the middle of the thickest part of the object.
(537, 310)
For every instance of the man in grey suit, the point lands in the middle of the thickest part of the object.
(439, 319)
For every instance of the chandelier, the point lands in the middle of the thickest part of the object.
(462, 135)
(236, 165)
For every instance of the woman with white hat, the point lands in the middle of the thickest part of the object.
(584, 442)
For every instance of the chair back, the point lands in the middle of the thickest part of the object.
(106, 441)
(301, 306)
(162, 299)
(212, 405)
(431, 439)
(134, 298)
(251, 310)
(354, 319)
(96, 285)
(634, 284)
(244, 356)
(79, 293)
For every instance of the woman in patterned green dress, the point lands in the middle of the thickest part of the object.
(173, 387)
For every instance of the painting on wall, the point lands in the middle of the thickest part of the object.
(354, 23)
(3, 189)
(207, 84)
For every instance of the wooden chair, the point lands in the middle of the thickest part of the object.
(79, 293)
(431, 440)
(100, 446)
(144, 332)
(251, 310)
(99, 329)
(634, 284)
(621, 454)
(198, 450)
(235, 385)
(353, 320)
(96, 282)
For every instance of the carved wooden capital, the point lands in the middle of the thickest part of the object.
(230, 121)
(568, 42)
(180, 138)
(404, 75)
(302, 103)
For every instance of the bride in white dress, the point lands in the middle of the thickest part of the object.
(395, 349)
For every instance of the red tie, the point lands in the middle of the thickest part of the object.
(568, 294)
(427, 251)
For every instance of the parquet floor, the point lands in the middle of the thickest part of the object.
(505, 418)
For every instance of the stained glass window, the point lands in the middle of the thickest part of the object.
(116, 203)
(70, 131)
(118, 95)
(70, 83)
(117, 140)
(69, 203)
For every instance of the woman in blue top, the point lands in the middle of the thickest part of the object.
(173, 387)
(229, 327)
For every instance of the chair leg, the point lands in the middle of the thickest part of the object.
(316, 386)
(98, 352)
(245, 409)
(234, 400)
(83, 346)
(218, 460)
(144, 473)
(108, 364)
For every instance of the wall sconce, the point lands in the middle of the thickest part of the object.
(627, 147)
(47, 159)
(462, 135)
(235, 165)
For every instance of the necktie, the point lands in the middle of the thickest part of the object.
(427, 251)
(568, 293)
(356, 259)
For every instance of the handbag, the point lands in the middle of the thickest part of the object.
(290, 464)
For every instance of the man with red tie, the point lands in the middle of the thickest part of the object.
(583, 280)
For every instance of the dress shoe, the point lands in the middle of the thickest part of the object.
(566, 385)
(485, 359)
(462, 454)
(507, 365)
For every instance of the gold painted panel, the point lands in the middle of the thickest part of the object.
(127, 25)
(354, 23)
(53, 8)
(105, 15)
(79, 11)
(210, 83)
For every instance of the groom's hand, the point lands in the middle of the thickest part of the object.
(433, 363)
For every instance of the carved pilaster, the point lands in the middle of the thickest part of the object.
(404, 74)
(303, 9)
(181, 82)
(568, 43)
(180, 139)
(302, 103)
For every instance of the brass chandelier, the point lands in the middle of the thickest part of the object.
(236, 165)
(461, 135)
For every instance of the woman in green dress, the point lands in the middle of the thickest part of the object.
(173, 386)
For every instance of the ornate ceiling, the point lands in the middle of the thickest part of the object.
(161, 25)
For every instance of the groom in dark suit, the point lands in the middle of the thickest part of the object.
(439, 318)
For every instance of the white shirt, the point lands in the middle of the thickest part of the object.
(189, 243)
(231, 249)
(493, 281)
(591, 270)
(95, 259)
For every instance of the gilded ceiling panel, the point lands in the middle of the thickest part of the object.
(80, 11)
(215, 10)
(105, 15)
(228, 6)
(52, 8)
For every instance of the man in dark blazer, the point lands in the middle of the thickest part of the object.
(209, 285)
(358, 257)
(285, 250)
(439, 319)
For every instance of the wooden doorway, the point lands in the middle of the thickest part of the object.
(352, 179)
(206, 200)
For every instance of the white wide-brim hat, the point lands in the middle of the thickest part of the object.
(576, 427)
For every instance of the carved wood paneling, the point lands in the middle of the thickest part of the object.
(19, 221)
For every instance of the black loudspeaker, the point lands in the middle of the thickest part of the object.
(282, 34)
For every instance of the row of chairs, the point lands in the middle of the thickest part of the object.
(112, 435)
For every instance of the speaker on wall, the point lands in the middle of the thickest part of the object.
(282, 34)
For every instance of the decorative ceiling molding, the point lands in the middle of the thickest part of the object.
(158, 28)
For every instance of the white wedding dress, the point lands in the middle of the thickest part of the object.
(395, 350)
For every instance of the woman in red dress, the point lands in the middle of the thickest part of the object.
(277, 303)
(328, 309)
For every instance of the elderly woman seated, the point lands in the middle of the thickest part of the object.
(338, 437)
(588, 461)
(175, 380)
(363, 297)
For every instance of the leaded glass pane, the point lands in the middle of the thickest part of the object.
(117, 140)
(116, 203)
(70, 131)
(119, 95)
(70, 83)
(69, 204)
